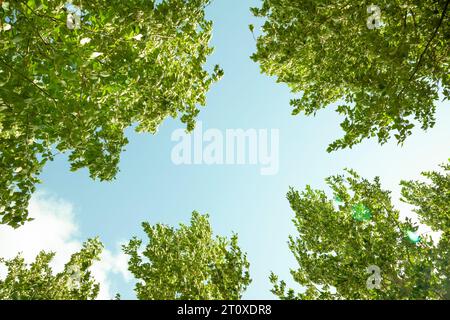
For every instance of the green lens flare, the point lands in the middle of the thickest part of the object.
(361, 212)
(413, 236)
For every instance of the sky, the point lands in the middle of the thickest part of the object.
(69, 207)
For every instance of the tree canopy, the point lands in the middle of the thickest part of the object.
(74, 76)
(383, 64)
(339, 240)
(187, 263)
(37, 281)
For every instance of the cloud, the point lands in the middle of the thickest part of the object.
(54, 228)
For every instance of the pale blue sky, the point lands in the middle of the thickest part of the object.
(150, 188)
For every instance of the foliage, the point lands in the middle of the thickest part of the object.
(37, 281)
(386, 79)
(334, 249)
(75, 88)
(187, 263)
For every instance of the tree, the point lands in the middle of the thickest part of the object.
(38, 282)
(74, 76)
(384, 64)
(340, 241)
(188, 263)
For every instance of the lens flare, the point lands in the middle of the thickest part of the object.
(361, 212)
(414, 237)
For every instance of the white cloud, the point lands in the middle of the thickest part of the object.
(54, 229)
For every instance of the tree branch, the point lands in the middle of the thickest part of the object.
(431, 40)
(29, 80)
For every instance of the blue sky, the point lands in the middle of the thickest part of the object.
(151, 188)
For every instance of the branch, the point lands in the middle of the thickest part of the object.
(29, 80)
(39, 15)
(431, 39)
